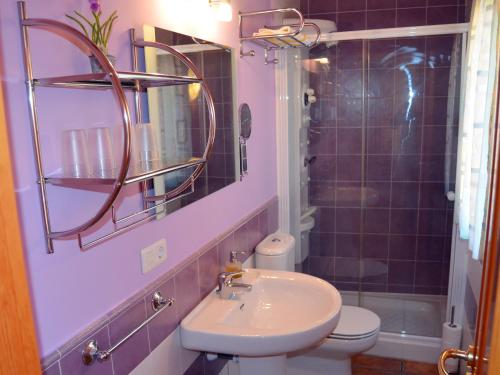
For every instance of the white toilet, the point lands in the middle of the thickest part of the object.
(356, 332)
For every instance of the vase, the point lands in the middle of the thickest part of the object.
(96, 67)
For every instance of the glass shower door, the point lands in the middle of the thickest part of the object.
(384, 134)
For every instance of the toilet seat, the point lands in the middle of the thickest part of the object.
(356, 323)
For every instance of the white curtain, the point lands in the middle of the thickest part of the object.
(477, 123)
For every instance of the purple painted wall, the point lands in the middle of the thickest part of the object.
(71, 288)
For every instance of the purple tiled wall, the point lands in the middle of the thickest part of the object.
(188, 284)
(378, 14)
(379, 134)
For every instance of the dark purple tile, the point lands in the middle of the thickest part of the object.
(368, 287)
(401, 272)
(436, 81)
(132, 352)
(250, 235)
(407, 140)
(405, 168)
(442, 15)
(322, 267)
(166, 322)
(405, 194)
(196, 367)
(323, 168)
(378, 168)
(428, 273)
(402, 247)
(208, 270)
(374, 271)
(375, 246)
(347, 287)
(322, 193)
(441, 2)
(376, 221)
(439, 50)
(445, 275)
(347, 220)
(403, 221)
(350, 54)
(380, 112)
(432, 222)
(377, 194)
(350, 83)
(430, 290)
(324, 220)
(304, 6)
(349, 141)
(324, 113)
(347, 269)
(322, 6)
(350, 112)
(322, 244)
(347, 245)
(436, 111)
(224, 249)
(411, 3)
(432, 196)
(323, 143)
(52, 370)
(433, 168)
(187, 289)
(411, 17)
(351, 5)
(348, 194)
(381, 83)
(380, 4)
(430, 248)
(72, 363)
(381, 53)
(349, 168)
(381, 19)
(434, 140)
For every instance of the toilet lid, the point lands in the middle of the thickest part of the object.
(356, 321)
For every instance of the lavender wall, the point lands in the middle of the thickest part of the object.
(71, 288)
(379, 135)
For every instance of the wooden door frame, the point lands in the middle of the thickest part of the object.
(17, 329)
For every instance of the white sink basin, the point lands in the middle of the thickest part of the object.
(284, 312)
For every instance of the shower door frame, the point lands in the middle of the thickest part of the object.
(457, 278)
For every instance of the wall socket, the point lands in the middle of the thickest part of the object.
(153, 255)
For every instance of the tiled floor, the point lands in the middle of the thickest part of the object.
(370, 365)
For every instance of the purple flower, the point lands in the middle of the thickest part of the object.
(95, 6)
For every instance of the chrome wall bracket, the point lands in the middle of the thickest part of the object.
(249, 53)
(268, 61)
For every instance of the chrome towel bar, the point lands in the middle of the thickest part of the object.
(91, 352)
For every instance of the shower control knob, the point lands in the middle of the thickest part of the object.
(312, 99)
(450, 195)
(310, 92)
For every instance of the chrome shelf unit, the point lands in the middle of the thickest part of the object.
(278, 41)
(118, 82)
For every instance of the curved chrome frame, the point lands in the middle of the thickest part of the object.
(79, 40)
(212, 122)
(74, 36)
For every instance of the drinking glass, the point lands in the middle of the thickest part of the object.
(101, 152)
(75, 153)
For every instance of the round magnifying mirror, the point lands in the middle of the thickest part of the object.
(245, 121)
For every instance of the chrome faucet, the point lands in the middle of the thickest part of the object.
(225, 284)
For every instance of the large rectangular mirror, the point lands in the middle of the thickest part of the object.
(180, 115)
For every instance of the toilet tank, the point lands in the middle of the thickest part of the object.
(276, 252)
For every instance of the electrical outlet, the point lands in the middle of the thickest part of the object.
(153, 255)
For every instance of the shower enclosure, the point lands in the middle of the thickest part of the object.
(372, 165)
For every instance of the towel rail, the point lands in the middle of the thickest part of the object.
(91, 352)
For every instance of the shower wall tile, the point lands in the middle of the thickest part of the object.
(370, 14)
